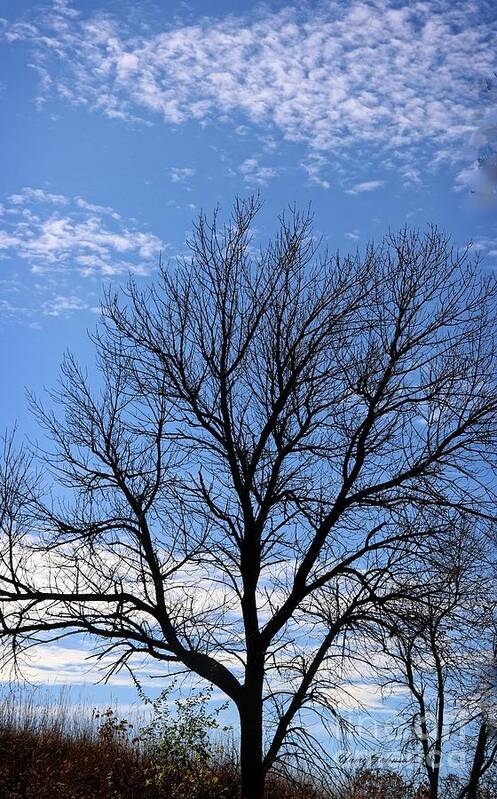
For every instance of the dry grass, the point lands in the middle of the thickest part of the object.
(48, 765)
(55, 751)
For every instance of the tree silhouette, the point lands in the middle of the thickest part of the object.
(438, 654)
(276, 438)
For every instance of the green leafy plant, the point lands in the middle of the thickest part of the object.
(178, 744)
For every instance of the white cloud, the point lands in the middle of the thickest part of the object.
(37, 195)
(9, 309)
(56, 250)
(335, 76)
(411, 175)
(181, 174)
(486, 246)
(53, 233)
(366, 185)
(56, 664)
(255, 173)
(61, 305)
(99, 209)
(479, 181)
(314, 166)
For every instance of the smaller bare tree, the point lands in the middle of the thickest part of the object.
(439, 648)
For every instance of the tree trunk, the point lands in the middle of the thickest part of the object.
(433, 782)
(251, 746)
(478, 761)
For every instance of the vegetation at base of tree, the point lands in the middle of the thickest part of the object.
(57, 752)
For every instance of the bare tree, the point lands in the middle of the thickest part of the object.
(440, 652)
(274, 436)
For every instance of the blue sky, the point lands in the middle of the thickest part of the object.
(120, 121)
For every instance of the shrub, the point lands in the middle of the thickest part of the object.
(178, 746)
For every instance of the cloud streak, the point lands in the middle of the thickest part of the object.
(366, 185)
(55, 664)
(256, 174)
(53, 233)
(56, 250)
(181, 174)
(337, 76)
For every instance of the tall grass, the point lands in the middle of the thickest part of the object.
(58, 749)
